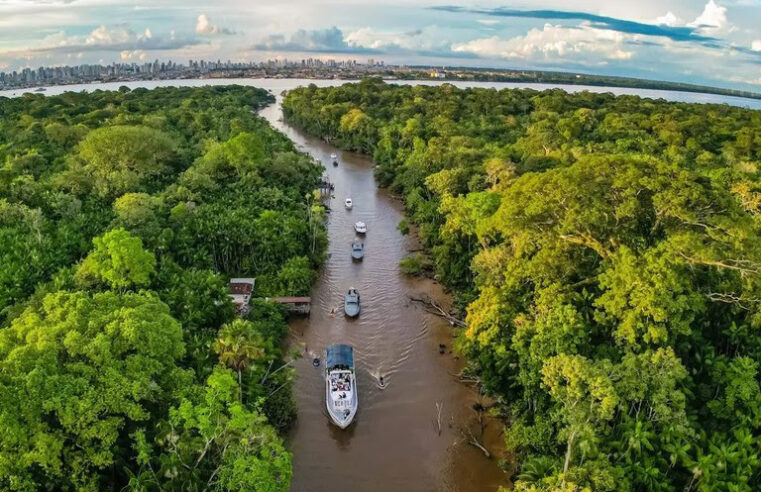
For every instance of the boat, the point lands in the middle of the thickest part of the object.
(348, 203)
(360, 227)
(40, 89)
(351, 303)
(357, 250)
(341, 398)
(334, 157)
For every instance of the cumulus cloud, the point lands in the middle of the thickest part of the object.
(713, 19)
(553, 43)
(329, 40)
(669, 19)
(117, 39)
(417, 40)
(128, 55)
(205, 27)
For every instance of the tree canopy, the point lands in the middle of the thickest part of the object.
(605, 252)
(122, 217)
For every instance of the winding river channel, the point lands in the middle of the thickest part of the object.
(412, 435)
(395, 442)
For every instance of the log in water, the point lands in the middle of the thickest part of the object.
(412, 430)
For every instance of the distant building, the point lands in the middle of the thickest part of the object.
(435, 74)
(241, 290)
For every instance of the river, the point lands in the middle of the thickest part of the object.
(279, 85)
(395, 443)
(411, 435)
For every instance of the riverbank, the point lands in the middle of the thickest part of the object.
(413, 433)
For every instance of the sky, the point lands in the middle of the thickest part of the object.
(713, 42)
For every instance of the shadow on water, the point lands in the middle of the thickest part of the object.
(395, 442)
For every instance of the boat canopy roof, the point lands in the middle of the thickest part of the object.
(339, 355)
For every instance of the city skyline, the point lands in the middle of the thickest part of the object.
(712, 43)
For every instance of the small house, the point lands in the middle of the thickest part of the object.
(241, 290)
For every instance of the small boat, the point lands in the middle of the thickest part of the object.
(360, 227)
(334, 157)
(40, 89)
(348, 203)
(357, 250)
(341, 397)
(351, 303)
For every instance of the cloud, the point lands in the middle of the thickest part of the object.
(553, 43)
(329, 40)
(204, 27)
(713, 20)
(488, 22)
(127, 55)
(675, 33)
(756, 45)
(669, 19)
(117, 39)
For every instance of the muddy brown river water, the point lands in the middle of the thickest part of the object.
(394, 443)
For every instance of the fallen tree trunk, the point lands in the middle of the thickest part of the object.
(433, 307)
(471, 439)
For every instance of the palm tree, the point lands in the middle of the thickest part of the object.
(237, 345)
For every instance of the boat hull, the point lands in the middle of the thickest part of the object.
(351, 310)
(341, 392)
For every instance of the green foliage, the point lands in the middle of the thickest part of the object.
(119, 159)
(77, 374)
(117, 261)
(226, 442)
(415, 264)
(610, 250)
(296, 276)
(122, 217)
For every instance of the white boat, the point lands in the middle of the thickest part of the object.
(341, 398)
(348, 203)
(360, 227)
(334, 156)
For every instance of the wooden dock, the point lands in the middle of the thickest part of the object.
(296, 305)
(326, 188)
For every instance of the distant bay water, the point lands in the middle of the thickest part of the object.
(279, 85)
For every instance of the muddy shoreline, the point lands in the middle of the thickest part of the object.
(411, 433)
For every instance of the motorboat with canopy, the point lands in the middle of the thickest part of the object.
(341, 398)
(357, 250)
(351, 303)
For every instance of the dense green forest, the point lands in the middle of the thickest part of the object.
(607, 252)
(122, 216)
